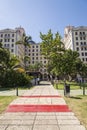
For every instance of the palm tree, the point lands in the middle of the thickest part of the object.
(25, 40)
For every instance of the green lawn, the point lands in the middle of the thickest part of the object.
(78, 105)
(4, 102)
(73, 85)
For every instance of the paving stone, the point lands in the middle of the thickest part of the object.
(45, 117)
(46, 127)
(19, 127)
(24, 117)
(59, 101)
(64, 113)
(3, 126)
(22, 122)
(68, 122)
(66, 117)
(46, 113)
(39, 120)
(5, 121)
(46, 122)
(71, 127)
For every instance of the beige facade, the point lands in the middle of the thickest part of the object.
(75, 38)
(34, 53)
(9, 37)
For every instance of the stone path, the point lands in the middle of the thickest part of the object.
(39, 96)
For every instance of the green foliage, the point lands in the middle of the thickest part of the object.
(25, 40)
(14, 79)
(53, 48)
(50, 44)
(9, 74)
(35, 67)
(61, 62)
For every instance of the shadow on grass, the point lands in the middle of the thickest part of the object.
(5, 89)
(75, 97)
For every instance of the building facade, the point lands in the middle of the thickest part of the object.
(9, 37)
(35, 56)
(75, 38)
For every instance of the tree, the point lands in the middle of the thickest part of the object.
(70, 61)
(35, 67)
(11, 73)
(4, 55)
(53, 48)
(25, 40)
(51, 44)
(61, 62)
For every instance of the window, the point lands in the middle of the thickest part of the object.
(82, 54)
(29, 54)
(85, 53)
(12, 35)
(32, 54)
(77, 43)
(44, 61)
(37, 50)
(86, 59)
(84, 43)
(76, 33)
(12, 40)
(12, 45)
(5, 35)
(29, 50)
(32, 46)
(80, 38)
(77, 49)
(12, 50)
(1, 35)
(8, 40)
(76, 38)
(8, 35)
(85, 48)
(5, 40)
(83, 59)
(36, 58)
(36, 54)
(83, 33)
(81, 48)
(7, 45)
(4, 45)
(81, 43)
(32, 58)
(32, 62)
(36, 46)
(80, 33)
(84, 38)
(33, 50)
(44, 70)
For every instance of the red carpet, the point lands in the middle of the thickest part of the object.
(38, 108)
(44, 96)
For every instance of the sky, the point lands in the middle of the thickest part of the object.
(37, 16)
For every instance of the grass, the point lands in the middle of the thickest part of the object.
(79, 106)
(73, 85)
(4, 102)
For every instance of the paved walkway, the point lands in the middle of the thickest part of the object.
(26, 113)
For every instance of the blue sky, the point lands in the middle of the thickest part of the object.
(37, 16)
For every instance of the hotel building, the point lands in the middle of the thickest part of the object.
(75, 38)
(9, 37)
(34, 53)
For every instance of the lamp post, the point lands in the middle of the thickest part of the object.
(16, 91)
